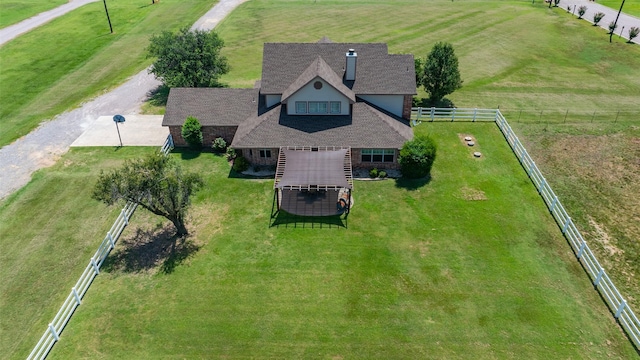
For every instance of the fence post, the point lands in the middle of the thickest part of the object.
(53, 332)
(623, 304)
(566, 225)
(542, 185)
(110, 239)
(95, 266)
(75, 293)
(171, 141)
(497, 113)
(419, 113)
(433, 111)
(584, 243)
(124, 215)
(598, 277)
(553, 205)
(453, 114)
(475, 110)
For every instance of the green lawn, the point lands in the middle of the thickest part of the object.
(441, 269)
(631, 7)
(41, 78)
(12, 11)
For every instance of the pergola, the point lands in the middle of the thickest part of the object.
(313, 181)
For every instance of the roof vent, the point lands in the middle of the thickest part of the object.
(350, 68)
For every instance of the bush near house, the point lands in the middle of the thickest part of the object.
(417, 157)
(219, 145)
(192, 132)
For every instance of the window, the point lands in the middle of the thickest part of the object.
(335, 107)
(318, 107)
(301, 107)
(265, 153)
(377, 155)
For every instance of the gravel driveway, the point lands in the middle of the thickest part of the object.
(44, 145)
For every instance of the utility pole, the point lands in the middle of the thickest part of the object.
(108, 18)
(616, 22)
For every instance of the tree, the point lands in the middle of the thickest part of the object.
(188, 58)
(633, 32)
(192, 132)
(581, 10)
(440, 75)
(612, 27)
(156, 182)
(597, 17)
(417, 157)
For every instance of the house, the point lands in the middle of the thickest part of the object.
(322, 94)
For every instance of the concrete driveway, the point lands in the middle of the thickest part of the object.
(137, 130)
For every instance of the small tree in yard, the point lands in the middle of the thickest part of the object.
(597, 17)
(633, 33)
(556, 3)
(156, 182)
(188, 58)
(192, 132)
(612, 27)
(581, 10)
(417, 157)
(439, 74)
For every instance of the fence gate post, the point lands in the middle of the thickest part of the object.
(623, 304)
(53, 332)
(75, 293)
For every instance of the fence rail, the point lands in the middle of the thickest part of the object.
(419, 114)
(54, 329)
(617, 304)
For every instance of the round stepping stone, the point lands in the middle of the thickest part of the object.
(468, 138)
(471, 143)
(477, 154)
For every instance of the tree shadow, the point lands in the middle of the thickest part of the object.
(427, 103)
(158, 248)
(158, 96)
(186, 153)
(412, 184)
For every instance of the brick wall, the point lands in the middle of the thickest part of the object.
(253, 155)
(209, 133)
(406, 107)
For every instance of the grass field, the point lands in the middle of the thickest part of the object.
(41, 78)
(12, 11)
(440, 269)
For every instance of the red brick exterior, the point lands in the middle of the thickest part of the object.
(209, 133)
(253, 155)
(406, 107)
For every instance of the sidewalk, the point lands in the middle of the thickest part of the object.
(625, 22)
(15, 30)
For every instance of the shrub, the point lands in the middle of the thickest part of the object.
(633, 32)
(612, 27)
(230, 153)
(556, 3)
(382, 174)
(597, 17)
(219, 145)
(581, 10)
(192, 132)
(373, 173)
(417, 157)
(240, 164)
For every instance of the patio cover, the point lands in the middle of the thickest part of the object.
(317, 169)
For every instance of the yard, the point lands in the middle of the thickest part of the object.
(468, 262)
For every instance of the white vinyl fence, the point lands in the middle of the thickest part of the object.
(617, 304)
(54, 329)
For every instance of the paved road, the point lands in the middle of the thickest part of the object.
(625, 22)
(44, 146)
(13, 31)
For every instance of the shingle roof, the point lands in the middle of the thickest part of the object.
(211, 106)
(318, 68)
(367, 127)
(377, 72)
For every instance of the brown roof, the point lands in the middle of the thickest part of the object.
(318, 69)
(367, 127)
(211, 106)
(377, 72)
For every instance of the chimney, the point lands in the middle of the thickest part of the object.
(350, 69)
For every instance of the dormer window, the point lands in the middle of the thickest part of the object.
(318, 107)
